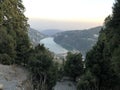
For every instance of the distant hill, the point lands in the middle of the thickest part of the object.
(35, 36)
(50, 32)
(81, 40)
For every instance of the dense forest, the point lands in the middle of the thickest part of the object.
(99, 71)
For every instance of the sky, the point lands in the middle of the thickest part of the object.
(67, 14)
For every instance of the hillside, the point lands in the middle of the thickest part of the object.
(81, 40)
(50, 32)
(35, 36)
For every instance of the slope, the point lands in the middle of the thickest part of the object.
(35, 36)
(81, 40)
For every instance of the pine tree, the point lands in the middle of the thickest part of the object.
(13, 19)
(103, 60)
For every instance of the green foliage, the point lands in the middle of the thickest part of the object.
(15, 46)
(43, 69)
(87, 82)
(103, 60)
(61, 71)
(116, 14)
(7, 47)
(5, 59)
(73, 65)
(22, 48)
(14, 24)
(116, 68)
(116, 62)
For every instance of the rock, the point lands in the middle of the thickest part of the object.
(1, 86)
(12, 77)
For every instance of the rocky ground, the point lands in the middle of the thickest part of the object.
(65, 85)
(14, 78)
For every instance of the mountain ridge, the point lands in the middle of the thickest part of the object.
(50, 32)
(81, 40)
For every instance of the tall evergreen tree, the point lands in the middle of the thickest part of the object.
(103, 60)
(13, 19)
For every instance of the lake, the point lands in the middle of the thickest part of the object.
(53, 46)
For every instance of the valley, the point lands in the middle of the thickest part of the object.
(59, 45)
(61, 42)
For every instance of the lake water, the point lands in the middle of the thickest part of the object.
(52, 46)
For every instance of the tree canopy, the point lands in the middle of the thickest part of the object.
(14, 24)
(103, 60)
(43, 69)
(73, 66)
(15, 47)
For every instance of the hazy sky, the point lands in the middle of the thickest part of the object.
(67, 14)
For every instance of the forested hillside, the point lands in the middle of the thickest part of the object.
(81, 40)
